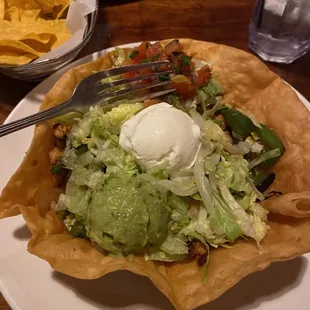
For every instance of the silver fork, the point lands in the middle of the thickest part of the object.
(91, 91)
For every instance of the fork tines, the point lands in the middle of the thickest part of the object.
(156, 79)
(103, 86)
(125, 69)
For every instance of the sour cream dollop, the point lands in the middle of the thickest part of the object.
(162, 136)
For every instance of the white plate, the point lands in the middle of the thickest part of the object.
(28, 283)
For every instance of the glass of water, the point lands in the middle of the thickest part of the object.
(280, 29)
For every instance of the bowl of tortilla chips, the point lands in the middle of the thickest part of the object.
(247, 115)
(30, 30)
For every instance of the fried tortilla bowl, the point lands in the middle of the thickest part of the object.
(250, 86)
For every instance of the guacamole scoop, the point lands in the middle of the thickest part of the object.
(118, 219)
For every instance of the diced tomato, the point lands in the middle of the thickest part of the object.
(163, 56)
(175, 64)
(128, 74)
(173, 46)
(143, 82)
(141, 53)
(145, 71)
(149, 102)
(186, 64)
(180, 67)
(203, 75)
(153, 50)
(186, 89)
(137, 55)
(185, 69)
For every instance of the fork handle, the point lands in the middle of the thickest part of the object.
(34, 119)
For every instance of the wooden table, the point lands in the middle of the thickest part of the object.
(121, 21)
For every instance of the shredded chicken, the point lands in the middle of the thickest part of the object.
(55, 155)
(198, 251)
(60, 131)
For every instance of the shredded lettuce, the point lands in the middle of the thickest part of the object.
(178, 222)
(81, 130)
(68, 119)
(213, 88)
(247, 200)
(201, 229)
(240, 215)
(259, 218)
(117, 116)
(174, 245)
(177, 203)
(223, 219)
(164, 257)
(215, 133)
(206, 97)
(264, 157)
(211, 162)
(186, 187)
(175, 101)
(258, 194)
(241, 148)
(203, 183)
(76, 199)
(179, 215)
(233, 171)
(95, 132)
(211, 111)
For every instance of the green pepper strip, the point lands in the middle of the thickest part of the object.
(243, 126)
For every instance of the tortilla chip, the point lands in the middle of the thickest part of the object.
(12, 14)
(18, 30)
(29, 37)
(2, 7)
(12, 52)
(21, 19)
(29, 14)
(27, 48)
(41, 43)
(58, 11)
(45, 5)
(250, 86)
(292, 204)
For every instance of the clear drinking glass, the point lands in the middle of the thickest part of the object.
(280, 29)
